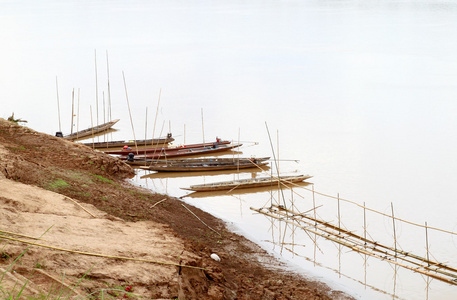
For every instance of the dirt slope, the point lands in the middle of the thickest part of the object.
(78, 202)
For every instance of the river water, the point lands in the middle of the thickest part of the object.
(363, 94)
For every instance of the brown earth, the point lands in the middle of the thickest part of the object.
(72, 227)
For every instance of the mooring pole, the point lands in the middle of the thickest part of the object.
(393, 222)
(426, 241)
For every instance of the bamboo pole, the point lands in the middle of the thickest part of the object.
(393, 226)
(110, 117)
(200, 219)
(276, 163)
(92, 126)
(58, 104)
(102, 255)
(155, 119)
(96, 84)
(203, 126)
(146, 128)
(72, 110)
(339, 217)
(364, 223)
(77, 116)
(130, 114)
(75, 202)
(426, 242)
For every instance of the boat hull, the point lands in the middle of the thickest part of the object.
(130, 143)
(91, 131)
(145, 151)
(184, 152)
(246, 183)
(210, 166)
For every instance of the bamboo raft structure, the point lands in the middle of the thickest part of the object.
(246, 183)
(92, 131)
(206, 164)
(118, 144)
(360, 244)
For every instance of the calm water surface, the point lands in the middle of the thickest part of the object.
(362, 93)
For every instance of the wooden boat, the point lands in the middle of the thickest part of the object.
(210, 164)
(145, 151)
(182, 152)
(91, 131)
(131, 143)
(148, 162)
(233, 192)
(246, 183)
(161, 175)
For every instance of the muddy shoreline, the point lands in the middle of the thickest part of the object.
(158, 226)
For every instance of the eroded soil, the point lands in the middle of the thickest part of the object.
(78, 201)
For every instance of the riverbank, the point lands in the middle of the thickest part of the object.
(118, 237)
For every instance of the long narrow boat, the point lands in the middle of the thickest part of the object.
(210, 165)
(246, 183)
(91, 131)
(147, 162)
(145, 151)
(182, 152)
(116, 144)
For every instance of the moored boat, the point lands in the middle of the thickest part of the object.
(246, 183)
(210, 164)
(147, 162)
(180, 152)
(145, 151)
(91, 131)
(131, 143)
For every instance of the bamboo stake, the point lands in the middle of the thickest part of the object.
(96, 84)
(339, 217)
(426, 242)
(146, 129)
(77, 117)
(130, 114)
(365, 244)
(393, 225)
(315, 225)
(109, 92)
(58, 104)
(155, 119)
(276, 163)
(364, 223)
(104, 118)
(314, 205)
(92, 126)
(72, 110)
(109, 88)
(203, 126)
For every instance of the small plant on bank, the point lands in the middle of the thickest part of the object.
(101, 178)
(58, 184)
